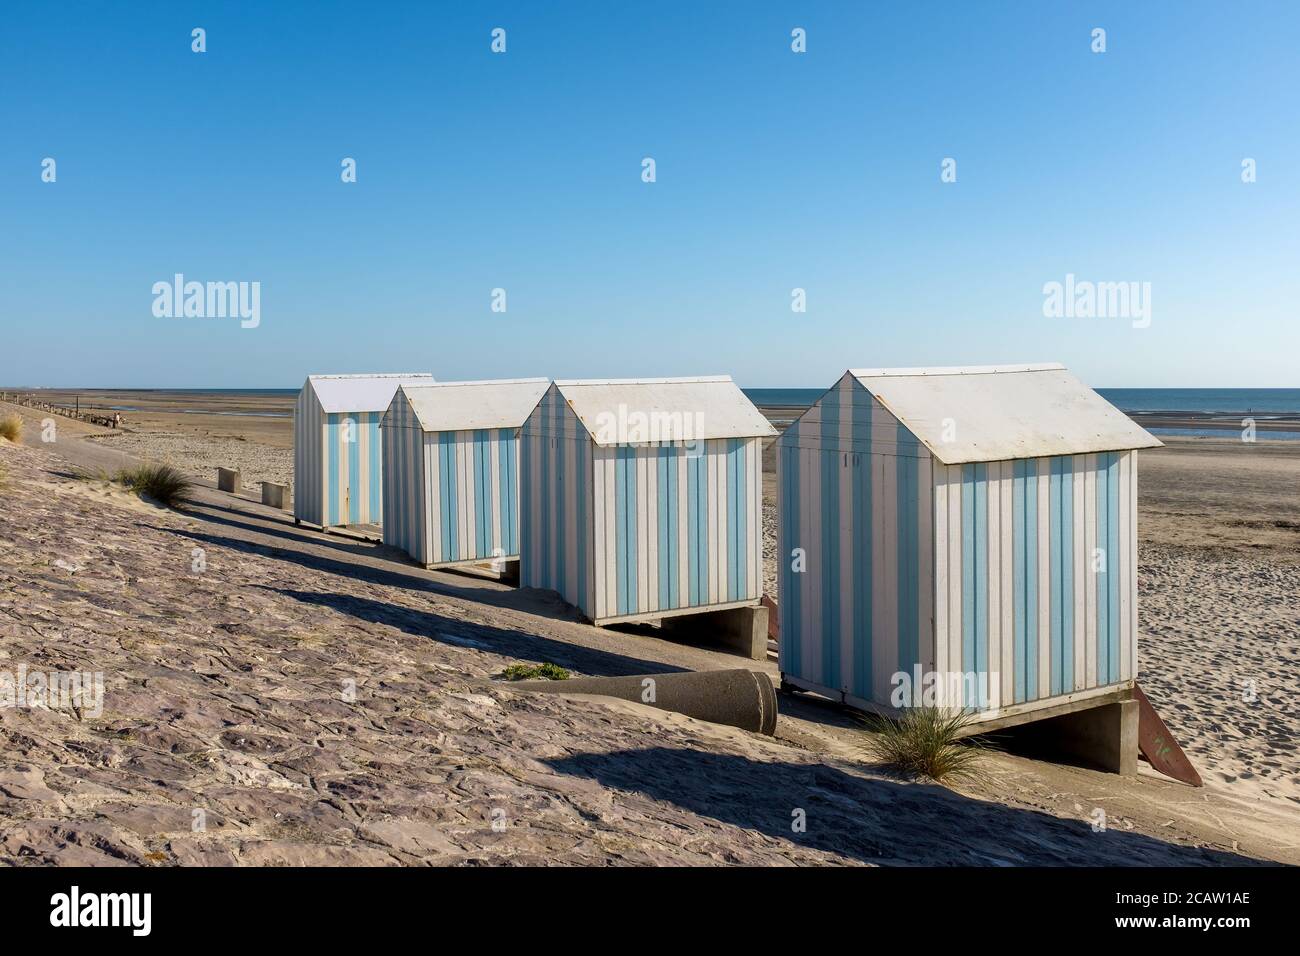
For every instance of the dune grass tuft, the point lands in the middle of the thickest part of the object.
(547, 671)
(165, 484)
(927, 742)
(11, 427)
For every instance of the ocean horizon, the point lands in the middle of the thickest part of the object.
(1260, 402)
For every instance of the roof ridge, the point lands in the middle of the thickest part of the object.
(956, 370)
(642, 381)
(483, 381)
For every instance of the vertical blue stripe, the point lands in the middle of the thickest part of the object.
(697, 491)
(507, 512)
(664, 521)
(620, 525)
(1067, 572)
(394, 504)
(1114, 578)
(729, 460)
(1062, 551)
(510, 455)
(863, 606)
(735, 518)
(748, 446)
(1031, 579)
(527, 571)
(1054, 551)
(981, 574)
(354, 469)
(626, 514)
(1018, 564)
(1025, 574)
(482, 496)
(833, 460)
(376, 468)
(1101, 571)
(674, 532)
(968, 596)
(544, 535)
(555, 541)
(582, 469)
(789, 604)
(908, 544)
(450, 496)
(632, 540)
(333, 429)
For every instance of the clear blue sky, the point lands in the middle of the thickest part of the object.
(523, 171)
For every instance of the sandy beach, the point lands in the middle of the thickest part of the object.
(225, 691)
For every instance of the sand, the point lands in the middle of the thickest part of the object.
(224, 696)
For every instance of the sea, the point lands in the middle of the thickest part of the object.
(1224, 407)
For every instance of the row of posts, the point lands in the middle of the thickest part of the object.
(73, 411)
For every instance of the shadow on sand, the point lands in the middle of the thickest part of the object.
(521, 645)
(876, 821)
(395, 570)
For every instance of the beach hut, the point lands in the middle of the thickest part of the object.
(451, 476)
(337, 462)
(963, 537)
(642, 499)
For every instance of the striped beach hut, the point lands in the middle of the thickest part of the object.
(974, 529)
(337, 461)
(642, 499)
(451, 475)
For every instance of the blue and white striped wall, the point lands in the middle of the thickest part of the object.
(854, 495)
(632, 532)
(337, 465)
(450, 497)
(981, 567)
(1036, 573)
(556, 541)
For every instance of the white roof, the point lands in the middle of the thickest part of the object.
(362, 393)
(1001, 412)
(459, 406)
(634, 410)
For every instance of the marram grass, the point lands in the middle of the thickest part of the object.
(165, 484)
(547, 671)
(11, 427)
(927, 742)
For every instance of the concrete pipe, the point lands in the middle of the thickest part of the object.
(739, 698)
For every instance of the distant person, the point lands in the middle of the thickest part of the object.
(117, 419)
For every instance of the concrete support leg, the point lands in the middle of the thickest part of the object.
(510, 572)
(1105, 736)
(741, 629)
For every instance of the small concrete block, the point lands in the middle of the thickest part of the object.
(741, 629)
(228, 480)
(510, 571)
(274, 495)
(1105, 736)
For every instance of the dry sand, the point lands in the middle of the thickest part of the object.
(224, 696)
